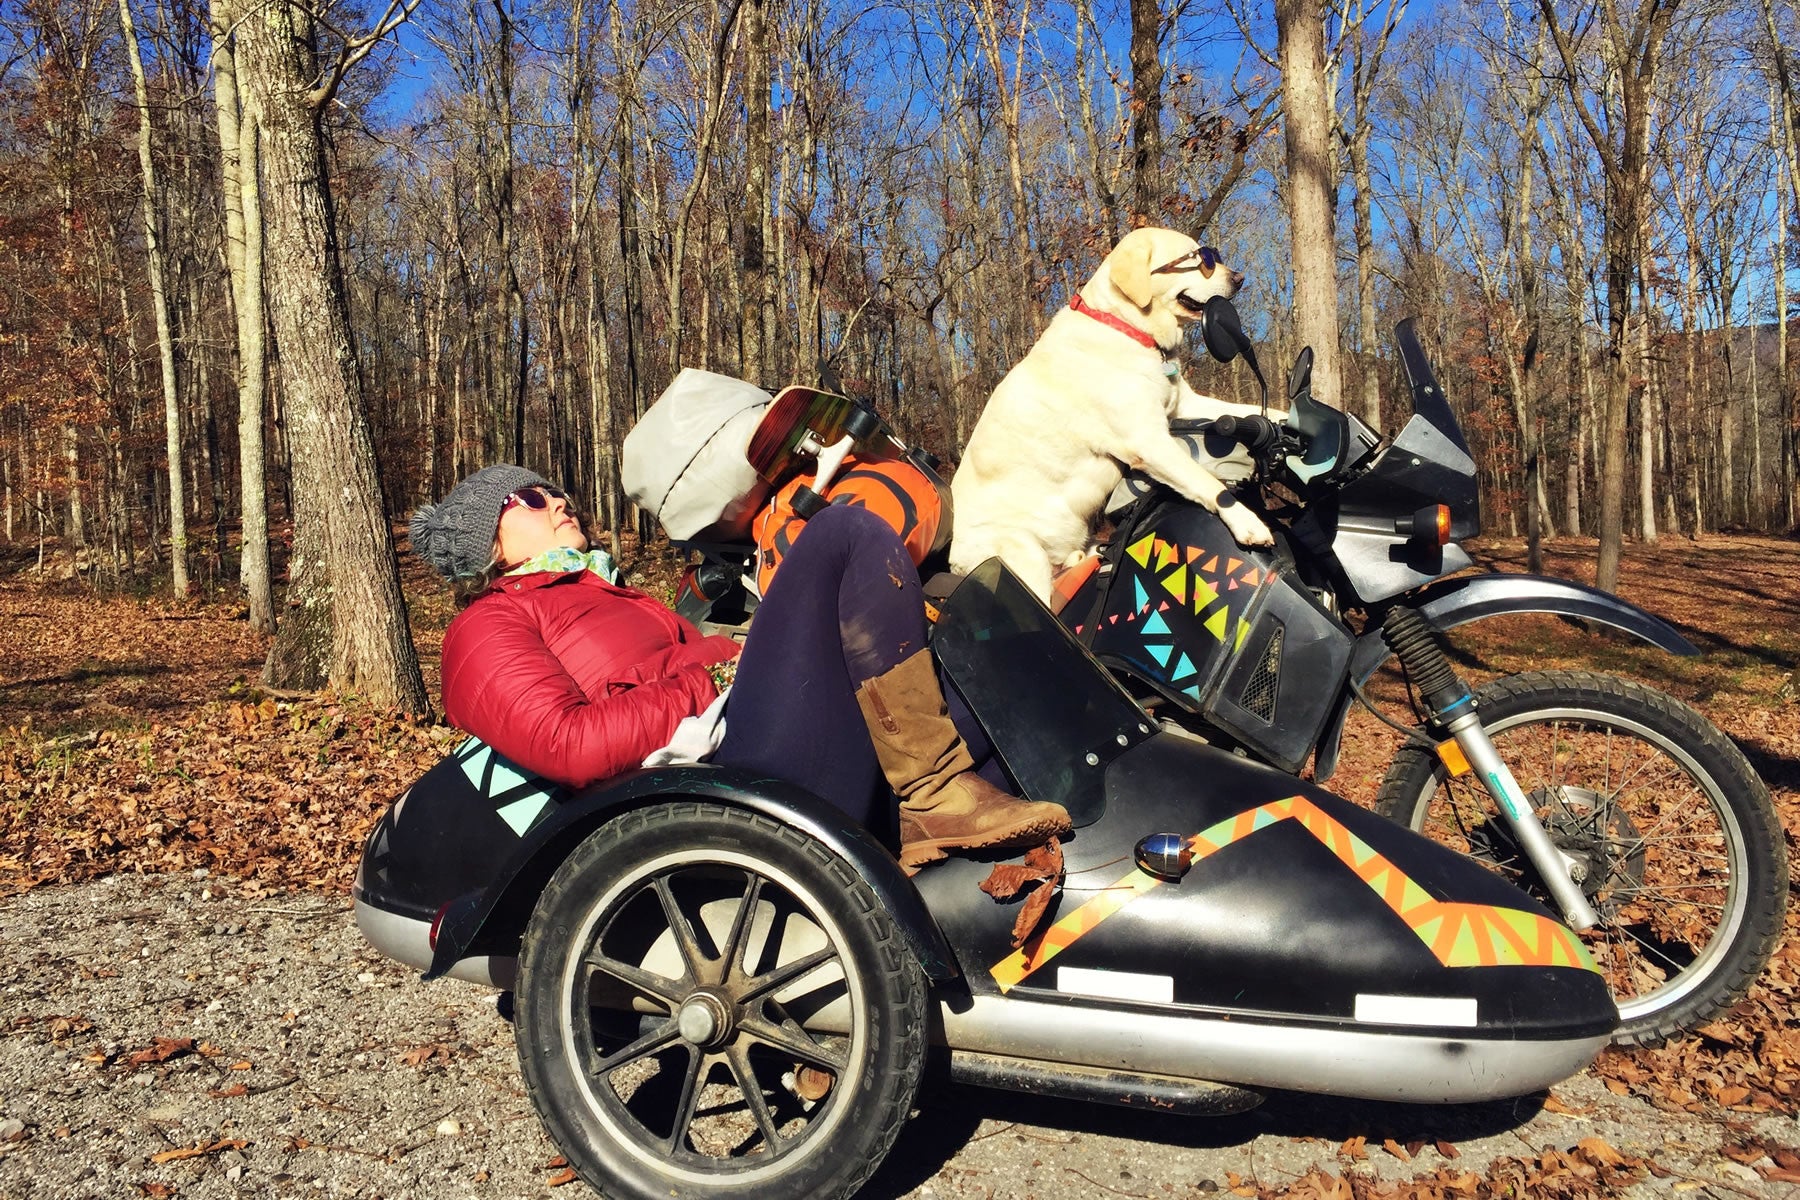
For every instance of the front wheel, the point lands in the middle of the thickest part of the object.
(712, 1004)
(1674, 838)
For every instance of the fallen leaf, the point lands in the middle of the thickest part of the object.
(1447, 1149)
(159, 1050)
(1396, 1149)
(566, 1175)
(198, 1149)
(1353, 1148)
(242, 1065)
(1598, 1150)
(226, 1093)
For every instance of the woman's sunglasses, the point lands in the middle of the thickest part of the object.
(536, 497)
(1209, 259)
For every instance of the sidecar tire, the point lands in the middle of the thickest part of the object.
(1720, 786)
(638, 1075)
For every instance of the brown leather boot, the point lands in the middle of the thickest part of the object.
(943, 804)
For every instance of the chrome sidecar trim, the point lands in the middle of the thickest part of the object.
(408, 940)
(1388, 1064)
(1391, 1064)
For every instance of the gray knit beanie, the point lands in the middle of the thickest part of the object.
(456, 535)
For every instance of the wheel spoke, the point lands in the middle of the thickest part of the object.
(668, 991)
(737, 940)
(646, 1044)
(679, 926)
(763, 984)
(741, 1067)
(789, 1038)
(684, 1103)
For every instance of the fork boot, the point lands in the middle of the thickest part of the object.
(943, 804)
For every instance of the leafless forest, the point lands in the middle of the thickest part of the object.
(280, 272)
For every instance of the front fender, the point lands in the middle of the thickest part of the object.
(1468, 598)
(498, 911)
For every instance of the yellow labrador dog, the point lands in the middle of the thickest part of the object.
(1092, 399)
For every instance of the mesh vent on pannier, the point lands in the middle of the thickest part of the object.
(1260, 691)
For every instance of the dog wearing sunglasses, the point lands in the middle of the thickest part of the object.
(1091, 400)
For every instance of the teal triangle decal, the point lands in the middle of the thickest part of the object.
(1184, 668)
(1161, 653)
(1154, 623)
(505, 777)
(475, 764)
(521, 813)
(1143, 598)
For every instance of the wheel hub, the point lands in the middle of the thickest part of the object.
(1607, 856)
(705, 1020)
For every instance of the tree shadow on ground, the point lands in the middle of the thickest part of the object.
(949, 1116)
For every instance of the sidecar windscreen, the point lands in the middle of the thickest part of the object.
(1055, 716)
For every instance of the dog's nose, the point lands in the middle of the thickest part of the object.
(1237, 281)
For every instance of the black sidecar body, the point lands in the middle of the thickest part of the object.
(682, 936)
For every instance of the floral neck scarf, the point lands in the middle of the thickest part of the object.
(565, 558)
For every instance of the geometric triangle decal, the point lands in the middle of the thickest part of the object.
(1215, 624)
(1176, 583)
(1183, 669)
(1154, 624)
(505, 777)
(1143, 598)
(475, 766)
(1160, 654)
(521, 813)
(1140, 550)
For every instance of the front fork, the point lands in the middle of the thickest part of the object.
(1414, 642)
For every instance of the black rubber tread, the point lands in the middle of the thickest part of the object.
(896, 987)
(1766, 886)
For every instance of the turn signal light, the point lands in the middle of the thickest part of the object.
(1429, 524)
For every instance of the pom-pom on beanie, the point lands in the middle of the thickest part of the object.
(456, 535)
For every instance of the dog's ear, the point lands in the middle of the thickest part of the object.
(1130, 268)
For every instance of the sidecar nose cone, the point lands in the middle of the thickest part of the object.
(1164, 855)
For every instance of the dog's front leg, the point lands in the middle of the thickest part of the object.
(1167, 462)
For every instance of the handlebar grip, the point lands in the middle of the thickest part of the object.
(1256, 433)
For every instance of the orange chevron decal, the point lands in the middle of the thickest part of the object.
(1458, 935)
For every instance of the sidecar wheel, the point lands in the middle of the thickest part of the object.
(1682, 853)
(712, 1004)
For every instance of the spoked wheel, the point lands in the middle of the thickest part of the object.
(713, 1004)
(1672, 836)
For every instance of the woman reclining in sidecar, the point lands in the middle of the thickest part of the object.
(576, 679)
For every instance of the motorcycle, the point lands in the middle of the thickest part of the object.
(724, 987)
(1626, 810)
(1622, 808)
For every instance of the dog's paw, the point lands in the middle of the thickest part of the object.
(1245, 525)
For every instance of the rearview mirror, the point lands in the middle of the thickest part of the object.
(1223, 334)
(1221, 330)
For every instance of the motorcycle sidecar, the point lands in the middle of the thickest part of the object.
(726, 989)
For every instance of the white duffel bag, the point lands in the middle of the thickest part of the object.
(684, 461)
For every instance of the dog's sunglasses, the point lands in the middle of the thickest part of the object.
(1207, 256)
(536, 497)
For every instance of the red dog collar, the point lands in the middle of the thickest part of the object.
(1131, 331)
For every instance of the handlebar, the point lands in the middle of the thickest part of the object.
(1255, 434)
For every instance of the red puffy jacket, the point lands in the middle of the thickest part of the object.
(573, 678)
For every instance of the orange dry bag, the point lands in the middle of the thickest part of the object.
(905, 494)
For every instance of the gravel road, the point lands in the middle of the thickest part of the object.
(174, 1036)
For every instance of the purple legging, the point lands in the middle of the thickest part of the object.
(844, 607)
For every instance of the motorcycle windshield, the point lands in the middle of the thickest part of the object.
(1055, 716)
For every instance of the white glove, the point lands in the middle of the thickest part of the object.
(695, 739)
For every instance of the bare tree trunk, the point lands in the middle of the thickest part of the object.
(1635, 53)
(353, 630)
(165, 342)
(241, 164)
(1146, 113)
(1312, 188)
(756, 306)
(1647, 416)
